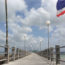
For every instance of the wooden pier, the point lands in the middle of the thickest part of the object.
(22, 57)
(32, 59)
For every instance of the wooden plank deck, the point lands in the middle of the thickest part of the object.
(32, 59)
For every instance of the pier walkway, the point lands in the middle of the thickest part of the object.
(32, 59)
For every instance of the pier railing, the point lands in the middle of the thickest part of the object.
(58, 54)
(54, 54)
(11, 54)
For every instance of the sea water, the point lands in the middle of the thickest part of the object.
(62, 58)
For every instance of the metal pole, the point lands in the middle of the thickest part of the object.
(48, 45)
(40, 49)
(51, 50)
(24, 45)
(31, 47)
(7, 49)
(40, 45)
(6, 22)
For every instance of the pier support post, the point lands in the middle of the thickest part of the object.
(7, 53)
(13, 53)
(57, 55)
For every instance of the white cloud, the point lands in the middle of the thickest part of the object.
(36, 17)
(13, 7)
(17, 28)
(50, 7)
(58, 36)
(18, 40)
(16, 5)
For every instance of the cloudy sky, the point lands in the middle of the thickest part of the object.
(28, 18)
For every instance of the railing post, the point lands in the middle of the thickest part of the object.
(17, 52)
(7, 53)
(51, 52)
(13, 53)
(46, 53)
(43, 53)
(57, 55)
(21, 53)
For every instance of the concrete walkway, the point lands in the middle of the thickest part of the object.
(32, 59)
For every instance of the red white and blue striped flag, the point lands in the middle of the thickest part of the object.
(60, 7)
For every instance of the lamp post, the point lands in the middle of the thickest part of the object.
(24, 44)
(40, 47)
(31, 47)
(48, 24)
(40, 44)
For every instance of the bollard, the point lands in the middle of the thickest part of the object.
(51, 53)
(57, 55)
(7, 53)
(17, 52)
(13, 53)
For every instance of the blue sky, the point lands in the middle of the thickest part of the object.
(2, 27)
(28, 18)
(33, 4)
(22, 14)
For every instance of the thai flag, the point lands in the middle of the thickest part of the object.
(60, 7)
